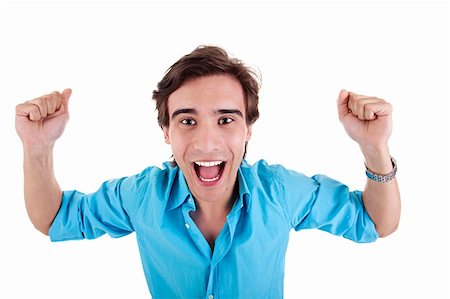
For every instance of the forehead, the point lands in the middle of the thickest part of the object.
(209, 92)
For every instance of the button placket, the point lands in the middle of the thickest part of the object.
(192, 229)
(211, 282)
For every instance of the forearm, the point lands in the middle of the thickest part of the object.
(381, 200)
(42, 192)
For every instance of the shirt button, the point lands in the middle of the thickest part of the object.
(187, 225)
(210, 297)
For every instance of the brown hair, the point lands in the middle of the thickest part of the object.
(205, 61)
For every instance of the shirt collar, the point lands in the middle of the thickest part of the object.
(180, 190)
(244, 193)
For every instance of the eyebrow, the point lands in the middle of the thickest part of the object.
(229, 111)
(219, 111)
(183, 110)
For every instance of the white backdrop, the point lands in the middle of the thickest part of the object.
(113, 54)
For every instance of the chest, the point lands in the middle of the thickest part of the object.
(247, 250)
(209, 227)
(239, 234)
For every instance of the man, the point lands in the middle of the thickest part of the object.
(208, 224)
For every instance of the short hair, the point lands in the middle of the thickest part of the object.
(206, 61)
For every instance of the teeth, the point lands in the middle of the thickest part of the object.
(209, 180)
(208, 164)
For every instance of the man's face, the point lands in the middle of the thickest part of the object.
(208, 131)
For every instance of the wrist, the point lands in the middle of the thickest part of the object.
(37, 152)
(377, 158)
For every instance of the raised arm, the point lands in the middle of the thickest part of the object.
(39, 123)
(368, 121)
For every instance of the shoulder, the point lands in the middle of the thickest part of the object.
(150, 177)
(272, 172)
(278, 178)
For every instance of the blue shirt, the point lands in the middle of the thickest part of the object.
(249, 255)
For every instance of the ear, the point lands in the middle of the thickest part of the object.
(249, 132)
(166, 134)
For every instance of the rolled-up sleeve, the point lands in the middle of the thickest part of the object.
(323, 203)
(109, 210)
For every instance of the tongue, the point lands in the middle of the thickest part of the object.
(209, 172)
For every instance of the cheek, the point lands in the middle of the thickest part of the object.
(237, 142)
(178, 143)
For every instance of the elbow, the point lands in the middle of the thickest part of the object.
(45, 232)
(384, 231)
(388, 224)
(41, 222)
(43, 228)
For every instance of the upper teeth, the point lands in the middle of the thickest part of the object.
(208, 164)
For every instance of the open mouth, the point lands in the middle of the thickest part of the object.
(209, 171)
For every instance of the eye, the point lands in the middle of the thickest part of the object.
(188, 122)
(225, 120)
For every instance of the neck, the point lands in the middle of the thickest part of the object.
(211, 216)
(216, 208)
(213, 210)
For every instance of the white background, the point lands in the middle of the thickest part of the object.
(113, 54)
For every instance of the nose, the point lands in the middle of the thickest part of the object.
(207, 139)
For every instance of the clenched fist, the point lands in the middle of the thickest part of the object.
(41, 121)
(367, 120)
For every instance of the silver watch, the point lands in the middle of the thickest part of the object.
(383, 178)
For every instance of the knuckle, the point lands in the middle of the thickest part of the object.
(55, 95)
(34, 109)
(54, 100)
(41, 105)
(19, 107)
(42, 101)
(35, 101)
